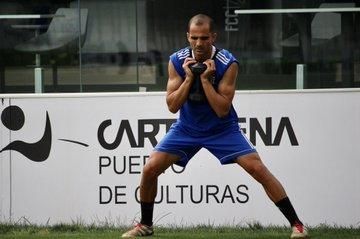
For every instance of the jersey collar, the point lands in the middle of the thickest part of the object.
(213, 51)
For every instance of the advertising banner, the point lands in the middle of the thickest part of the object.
(78, 158)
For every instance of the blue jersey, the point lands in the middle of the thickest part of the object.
(198, 118)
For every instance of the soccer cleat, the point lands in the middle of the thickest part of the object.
(140, 230)
(299, 231)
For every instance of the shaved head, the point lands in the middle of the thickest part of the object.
(202, 19)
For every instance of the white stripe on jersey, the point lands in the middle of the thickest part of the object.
(221, 57)
(183, 54)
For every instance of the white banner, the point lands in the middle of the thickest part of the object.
(79, 157)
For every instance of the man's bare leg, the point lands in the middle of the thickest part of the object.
(273, 188)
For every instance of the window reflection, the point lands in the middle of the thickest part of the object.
(128, 42)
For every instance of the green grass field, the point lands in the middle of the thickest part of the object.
(251, 232)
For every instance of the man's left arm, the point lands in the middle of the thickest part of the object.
(220, 100)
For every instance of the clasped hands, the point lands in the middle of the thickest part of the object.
(204, 76)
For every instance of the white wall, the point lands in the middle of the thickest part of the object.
(320, 174)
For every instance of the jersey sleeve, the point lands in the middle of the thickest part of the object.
(178, 59)
(224, 59)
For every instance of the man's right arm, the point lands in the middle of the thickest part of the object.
(177, 89)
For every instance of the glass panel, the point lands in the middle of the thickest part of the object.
(326, 42)
(109, 55)
(39, 46)
(270, 47)
(125, 45)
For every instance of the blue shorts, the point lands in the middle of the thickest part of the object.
(226, 145)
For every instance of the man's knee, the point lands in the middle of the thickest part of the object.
(258, 171)
(157, 164)
(151, 170)
(254, 166)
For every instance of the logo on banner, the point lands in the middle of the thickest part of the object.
(255, 129)
(13, 118)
